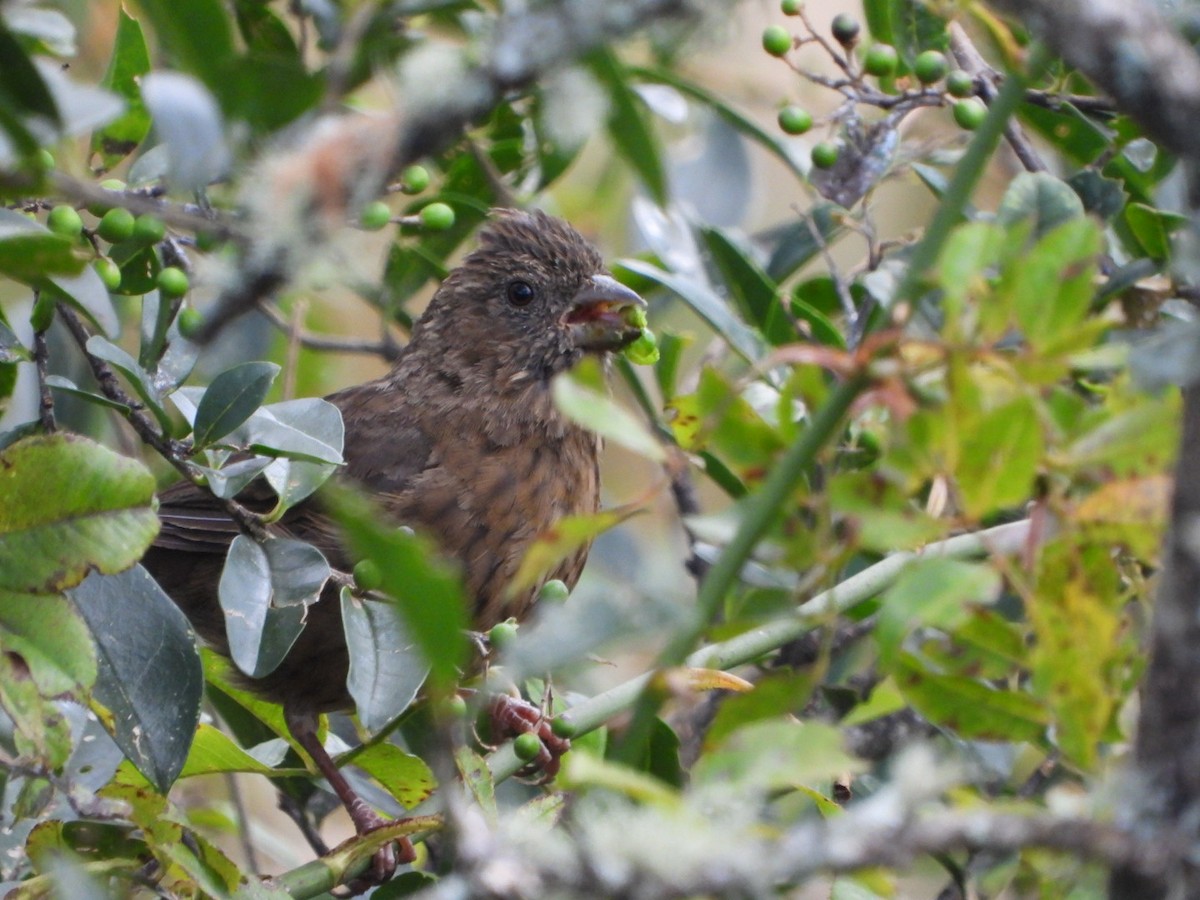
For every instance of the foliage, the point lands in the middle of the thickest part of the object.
(967, 387)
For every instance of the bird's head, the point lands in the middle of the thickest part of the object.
(532, 299)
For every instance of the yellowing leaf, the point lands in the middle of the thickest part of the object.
(567, 536)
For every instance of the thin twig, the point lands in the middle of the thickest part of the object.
(173, 451)
(973, 64)
(292, 360)
(387, 347)
(41, 356)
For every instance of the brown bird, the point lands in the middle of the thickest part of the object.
(460, 440)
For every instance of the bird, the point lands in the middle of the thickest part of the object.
(461, 440)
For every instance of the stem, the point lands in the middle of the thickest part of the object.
(1004, 540)
(761, 511)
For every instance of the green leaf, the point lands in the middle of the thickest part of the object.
(231, 399)
(386, 667)
(214, 752)
(914, 29)
(1000, 457)
(46, 31)
(1070, 131)
(262, 30)
(1152, 228)
(775, 695)
(87, 293)
(67, 506)
(1079, 652)
(969, 707)
(755, 294)
(150, 676)
(794, 244)
(29, 251)
(1050, 287)
(1047, 200)
(429, 593)
(741, 123)
(1103, 197)
(599, 413)
(931, 592)
(775, 754)
(629, 125)
(138, 378)
(45, 633)
(268, 92)
(45, 653)
(309, 429)
(264, 592)
(404, 776)
(130, 59)
(196, 35)
(22, 89)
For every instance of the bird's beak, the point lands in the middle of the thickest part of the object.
(597, 317)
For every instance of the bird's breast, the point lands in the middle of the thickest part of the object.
(486, 503)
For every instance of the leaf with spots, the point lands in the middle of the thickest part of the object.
(69, 506)
(150, 678)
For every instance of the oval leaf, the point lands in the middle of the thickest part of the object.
(150, 677)
(386, 667)
(264, 591)
(231, 399)
(67, 506)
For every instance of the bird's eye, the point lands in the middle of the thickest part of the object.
(520, 293)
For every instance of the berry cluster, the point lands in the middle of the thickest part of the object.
(902, 86)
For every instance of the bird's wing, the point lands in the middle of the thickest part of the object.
(194, 521)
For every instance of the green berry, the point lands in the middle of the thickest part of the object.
(790, 7)
(554, 591)
(367, 576)
(45, 159)
(845, 29)
(65, 220)
(414, 179)
(527, 746)
(825, 155)
(148, 229)
(931, 66)
(375, 215)
(563, 727)
(794, 120)
(502, 635)
(644, 350)
(109, 272)
(437, 217)
(776, 40)
(453, 707)
(881, 60)
(634, 315)
(190, 321)
(173, 282)
(960, 84)
(116, 225)
(969, 114)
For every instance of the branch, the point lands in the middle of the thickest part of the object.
(173, 451)
(1127, 48)
(343, 161)
(1011, 539)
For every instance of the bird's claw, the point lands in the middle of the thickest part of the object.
(386, 859)
(512, 716)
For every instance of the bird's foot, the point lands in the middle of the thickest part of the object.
(386, 858)
(512, 717)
